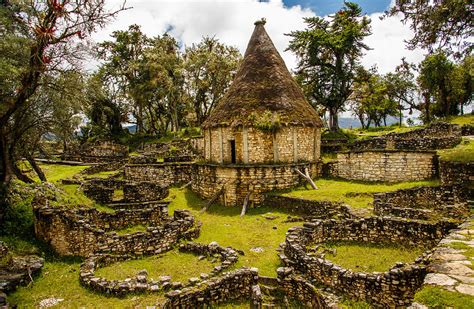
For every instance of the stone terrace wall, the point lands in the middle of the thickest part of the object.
(144, 191)
(231, 286)
(98, 152)
(390, 166)
(456, 172)
(395, 287)
(239, 180)
(423, 202)
(297, 287)
(164, 174)
(439, 135)
(81, 232)
(308, 208)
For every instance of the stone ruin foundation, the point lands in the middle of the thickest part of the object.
(395, 287)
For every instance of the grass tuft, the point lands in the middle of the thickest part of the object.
(436, 297)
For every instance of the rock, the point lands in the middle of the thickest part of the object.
(201, 257)
(464, 279)
(213, 245)
(204, 276)
(257, 249)
(453, 268)
(465, 289)
(143, 272)
(194, 280)
(50, 302)
(439, 279)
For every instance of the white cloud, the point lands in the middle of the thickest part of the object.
(231, 21)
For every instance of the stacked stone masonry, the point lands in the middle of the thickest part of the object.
(240, 180)
(308, 208)
(424, 202)
(80, 232)
(99, 152)
(395, 287)
(141, 283)
(251, 145)
(385, 165)
(439, 135)
(456, 172)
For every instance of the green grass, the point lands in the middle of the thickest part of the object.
(464, 152)
(436, 297)
(132, 229)
(379, 131)
(355, 194)
(367, 257)
(55, 172)
(458, 245)
(60, 279)
(224, 225)
(179, 265)
(461, 120)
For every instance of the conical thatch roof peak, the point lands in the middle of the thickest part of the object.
(263, 86)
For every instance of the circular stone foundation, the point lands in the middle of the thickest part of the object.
(395, 287)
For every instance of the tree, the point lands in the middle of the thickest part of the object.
(39, 38)
(401, 88)
(434, 81)
(371, 101)
(445, 24)
(328, 53)
(210, 67)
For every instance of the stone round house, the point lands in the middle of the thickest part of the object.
(261, 131)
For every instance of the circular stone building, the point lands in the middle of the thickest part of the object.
(261, 131)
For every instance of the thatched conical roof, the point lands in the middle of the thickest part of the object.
(263, 86)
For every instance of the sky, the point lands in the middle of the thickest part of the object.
(231, 21)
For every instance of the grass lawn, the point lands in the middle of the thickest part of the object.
(460, 120)
(179, 265)
(106, 174)
(464, 152)
(55, 172)
(224, 225)
(354, 193)
(367, 257)
(436, 297)
(379, 131)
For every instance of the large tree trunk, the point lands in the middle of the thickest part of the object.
(426, 97)
(37, 169)
(333, 120)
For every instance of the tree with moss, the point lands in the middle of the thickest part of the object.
(328, 52)
(445, 24)
(38, 38)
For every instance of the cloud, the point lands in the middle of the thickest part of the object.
(231, 21)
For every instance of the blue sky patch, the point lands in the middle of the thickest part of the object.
(325, 7)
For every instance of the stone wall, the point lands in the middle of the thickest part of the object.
(103, 151)
(254, 146)
(239, 180)
(308, 208)
(236, 285)
(424, 202)
(395, 287)
(385, 165)
(297, 287)
(144, 191)
(438, 135)
(164, 174)
(80, 232)
(456, 172)
(140, 283)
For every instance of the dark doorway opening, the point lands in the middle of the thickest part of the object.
(232, 151)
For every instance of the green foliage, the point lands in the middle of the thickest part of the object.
(132, 229)
(443, 24)
(436, 297)
(367, 257)
(464, 152)
(328, 53)
(267, 121)
(209, 68)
